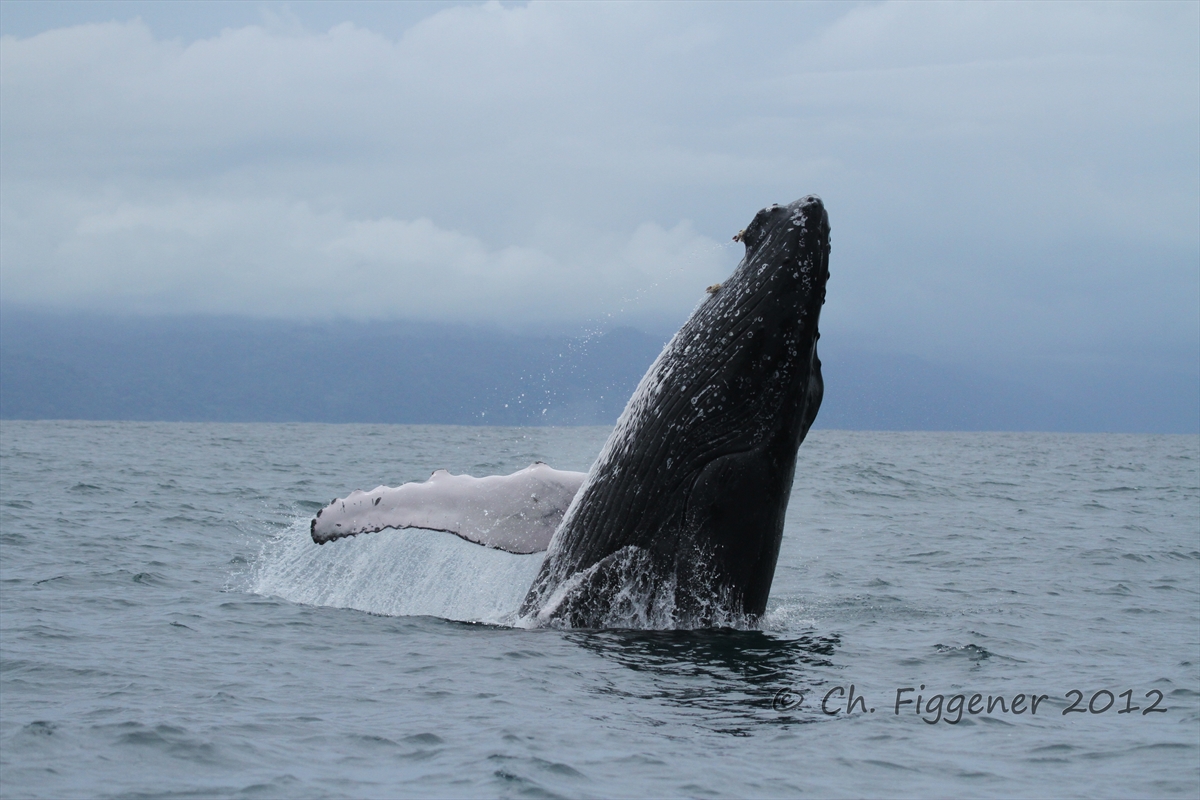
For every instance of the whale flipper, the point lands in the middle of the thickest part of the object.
(517, 512)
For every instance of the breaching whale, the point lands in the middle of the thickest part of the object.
(679, 521)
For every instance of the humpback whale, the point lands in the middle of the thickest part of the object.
(679, 521)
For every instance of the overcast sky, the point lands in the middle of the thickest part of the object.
(1003, 180)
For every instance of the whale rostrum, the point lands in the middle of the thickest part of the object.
(679, 521)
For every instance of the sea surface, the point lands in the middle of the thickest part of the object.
(167, 628)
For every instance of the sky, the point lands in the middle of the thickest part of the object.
(1006, 182)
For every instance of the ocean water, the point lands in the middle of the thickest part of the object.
(168, 630)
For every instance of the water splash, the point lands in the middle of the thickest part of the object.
(415, 572)
(627, 591)
(396, 573)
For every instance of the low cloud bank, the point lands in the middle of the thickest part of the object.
(1004, 180)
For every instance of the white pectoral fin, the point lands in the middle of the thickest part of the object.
(518, 513)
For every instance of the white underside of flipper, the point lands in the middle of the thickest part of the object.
(518, 513)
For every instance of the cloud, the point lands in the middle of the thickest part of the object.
(281, 258)
(999, 176)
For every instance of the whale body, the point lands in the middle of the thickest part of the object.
(679, 521)
(681, 518)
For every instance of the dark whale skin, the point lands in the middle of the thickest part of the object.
(680, 520)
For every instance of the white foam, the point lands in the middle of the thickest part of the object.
(788, 615)
(643, 600)
(396, 573)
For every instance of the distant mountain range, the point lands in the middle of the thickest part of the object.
(87, 366)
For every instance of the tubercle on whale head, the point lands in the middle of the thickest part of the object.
(806, 214)
(787, 250)
(754, 233)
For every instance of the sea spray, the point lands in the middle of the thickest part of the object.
(396, 573)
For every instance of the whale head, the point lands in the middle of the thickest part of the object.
(682, 514)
